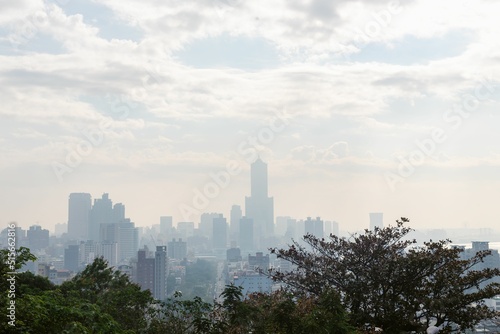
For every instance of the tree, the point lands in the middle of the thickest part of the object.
(386, 281)
(113, 293)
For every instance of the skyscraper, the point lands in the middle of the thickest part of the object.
(219, 233)
(177, 249)
(376, 220)
(79, 205)
(206, 223)
(314, 227)
(38, 238)
(101, 213)
(145, 270)
(118, 212)
(259, 206)
(236, 215)
(161, 273)
(246, 237)
(166, 225)
(128, 239)
(72, 258)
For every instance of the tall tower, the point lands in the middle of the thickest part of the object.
(161, 273)
(79, 205)
(259, 207)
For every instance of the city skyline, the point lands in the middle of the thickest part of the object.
(357, 107)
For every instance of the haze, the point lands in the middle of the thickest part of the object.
(356, 107)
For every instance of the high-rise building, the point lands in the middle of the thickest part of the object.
(72, 258)
(335, 228)
(259, 206)
(185, 229)
(376, 220)
(292, 232)
(235, 217)
(128, 240)
(281, 225)
(314, 227)
(38, 238)
(219, 233)
(258, 261)
(145, 270)
(79, 205)
(206, 223)
(124, 234)
(161, 273)
(233, 255)
(101, 213)
(166, 225)
(88, 251)
(177, 249)
(109, 251)
(246, 239)
(118, 212)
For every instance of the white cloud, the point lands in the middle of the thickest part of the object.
(166, 113)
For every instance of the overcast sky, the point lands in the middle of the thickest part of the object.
(356, 106)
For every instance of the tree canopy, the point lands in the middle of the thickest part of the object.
(385, 280)
(376, 279)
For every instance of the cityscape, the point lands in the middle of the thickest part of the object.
(236, 167)
(159, 257)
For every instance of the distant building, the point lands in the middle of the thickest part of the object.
(152, 272)
(219, 233)
(161, 273)
(491, 261)
(206, 223)
(259, 261)
(128, 240)
(145, 270)
(233, 255)
(314, 227)
(79, 205)
(108, 251)
(335, 228)
(246, 237)
(177, 249)
(281, 225)
(234, 228)
(124, 234)
(166, 225)
(101, 213)
(259, 206)
(127, 270)
(376, 220)
(253, 282)
(185, 229)
(292, 230)
(88, 252)
(38, 238)
(72, 258)
(118, 213)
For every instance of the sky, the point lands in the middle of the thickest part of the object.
(356, 106)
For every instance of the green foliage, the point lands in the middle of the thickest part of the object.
(341, 285)
(199, 280)
(98, 300)
(113, 293)
(183, 316)
(279, 313)
(385, 281)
